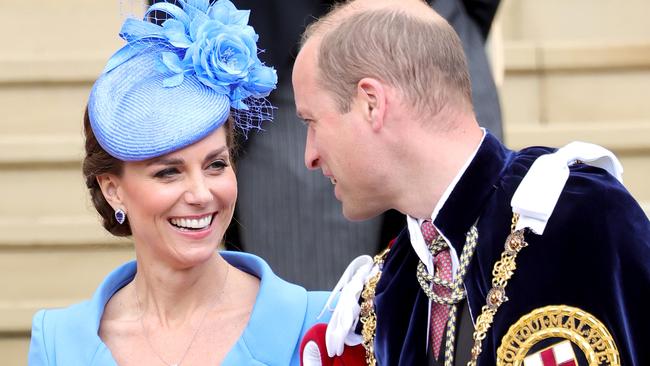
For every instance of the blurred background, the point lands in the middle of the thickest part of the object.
(566, 70)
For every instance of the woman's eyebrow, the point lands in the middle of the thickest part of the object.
(165, 161)
(215, 153)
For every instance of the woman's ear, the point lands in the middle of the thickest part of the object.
(371, 93)
(110, 186)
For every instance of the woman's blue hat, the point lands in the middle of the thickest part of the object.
(173, 84)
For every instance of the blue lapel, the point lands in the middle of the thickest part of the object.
(275, 326)
(270, 338)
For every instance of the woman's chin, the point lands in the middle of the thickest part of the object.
(186, 259)
(195, 252)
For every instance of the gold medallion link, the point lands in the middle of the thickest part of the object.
(502, 272)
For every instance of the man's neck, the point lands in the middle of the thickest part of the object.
(433, 164)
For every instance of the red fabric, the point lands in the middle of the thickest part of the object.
(352, 356)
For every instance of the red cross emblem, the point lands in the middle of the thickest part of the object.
(560, 354)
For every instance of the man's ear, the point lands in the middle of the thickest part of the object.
(110, 186)
(372, 96)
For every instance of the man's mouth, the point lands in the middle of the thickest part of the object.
(327, 174)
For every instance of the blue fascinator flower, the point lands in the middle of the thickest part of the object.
(213, 42)
(174, 83)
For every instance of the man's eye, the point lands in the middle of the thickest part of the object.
(306, 122)
(166, 173)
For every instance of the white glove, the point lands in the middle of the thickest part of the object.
(340, 331)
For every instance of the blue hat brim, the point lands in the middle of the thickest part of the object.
(135, 117)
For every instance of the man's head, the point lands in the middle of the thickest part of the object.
(402, 43)
(366, 74)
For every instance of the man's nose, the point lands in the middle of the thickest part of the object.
(312, 159)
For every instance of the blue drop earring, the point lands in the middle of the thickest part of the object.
(120, 216)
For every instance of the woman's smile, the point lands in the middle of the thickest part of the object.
(194, 227)
(192, 223)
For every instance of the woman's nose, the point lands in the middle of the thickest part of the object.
(198, 192)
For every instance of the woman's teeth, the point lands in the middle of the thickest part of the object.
(193, 224)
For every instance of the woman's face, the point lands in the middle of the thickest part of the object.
(180, 204)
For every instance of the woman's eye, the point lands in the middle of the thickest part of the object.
(218, 165)
(166, 173)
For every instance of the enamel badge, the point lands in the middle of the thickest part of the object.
(558, 336)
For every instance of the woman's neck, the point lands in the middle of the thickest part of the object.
(174, 296)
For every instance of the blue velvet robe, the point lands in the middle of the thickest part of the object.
(594, 255)
(283, 312)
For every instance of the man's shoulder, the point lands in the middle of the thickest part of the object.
(596, 209)
(590, 199)
(583, 178)
(523, 159)
(596, 192)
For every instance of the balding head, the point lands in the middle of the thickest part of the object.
(403, 43)
(344, 9)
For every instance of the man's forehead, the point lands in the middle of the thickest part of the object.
(308, 52)
(304, 69)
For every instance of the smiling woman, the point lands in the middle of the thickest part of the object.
(159, 132)
(184, 199)
(98, 163)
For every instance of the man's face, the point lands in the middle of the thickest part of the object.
(340, 144)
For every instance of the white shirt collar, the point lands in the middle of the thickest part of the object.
(413, 224)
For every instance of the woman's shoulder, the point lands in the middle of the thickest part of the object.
(76, 316)
(70, 330)
(62, 331)
(280, 305)
(274, 286)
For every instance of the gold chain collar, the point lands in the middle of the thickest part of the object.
(456, 288)
(502, 272)
(367, 314)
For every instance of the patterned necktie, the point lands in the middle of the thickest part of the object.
(442, 264)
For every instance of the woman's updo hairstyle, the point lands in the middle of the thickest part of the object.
(97, 162)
